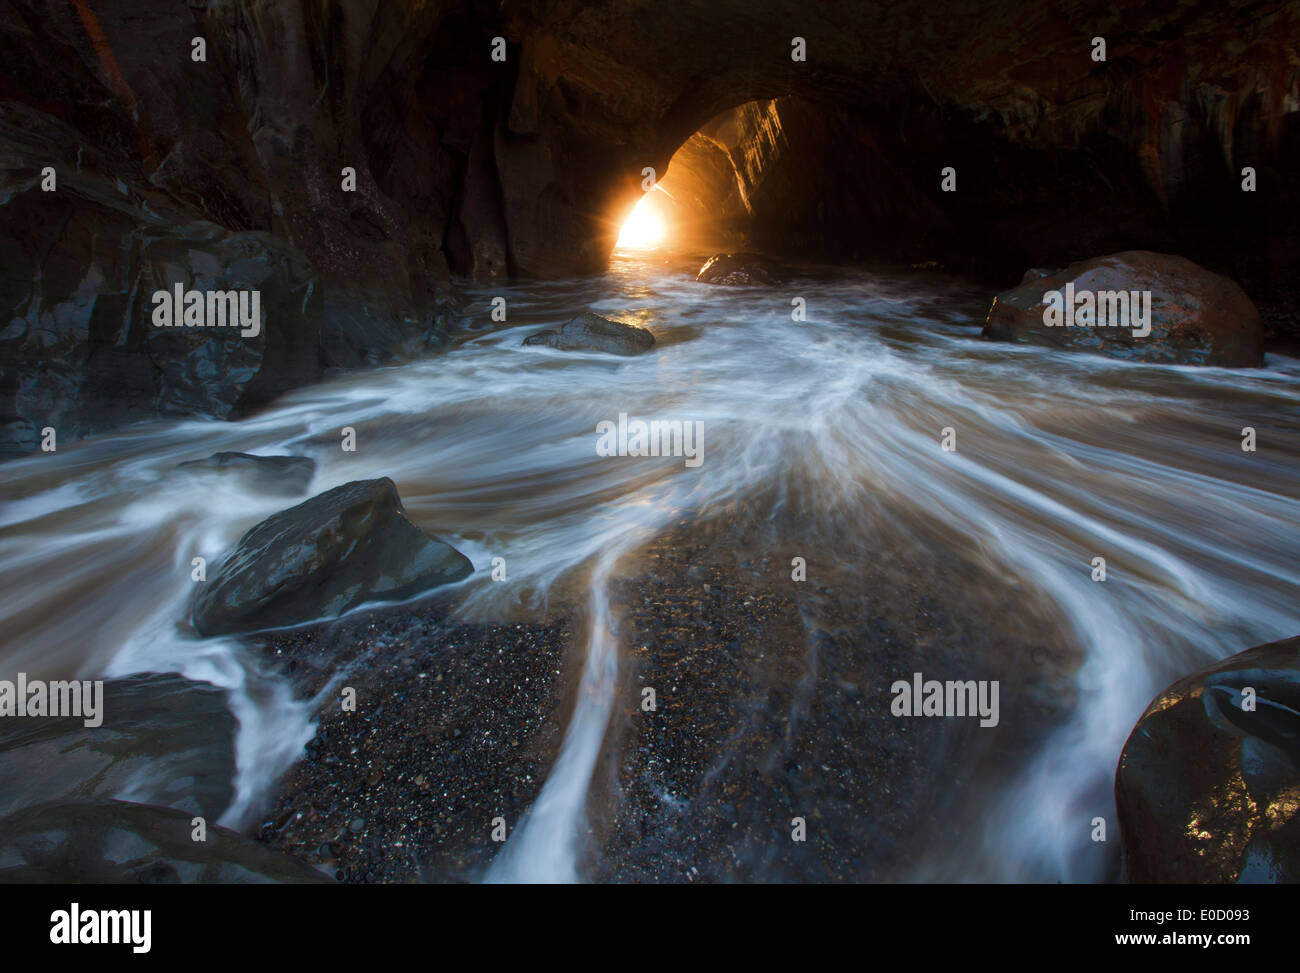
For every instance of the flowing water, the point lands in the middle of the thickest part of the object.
(1059, 458)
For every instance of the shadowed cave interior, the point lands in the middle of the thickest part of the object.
(480, 234)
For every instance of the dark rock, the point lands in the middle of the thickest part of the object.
(347, 546)
(591, 332)
(740, 268)
(1208, 791)
(212, 179)
(1033, 274)
(288, 476)
(163, 740)
(360, 333)
(116, 842)
(1197, 317)
(80, 352)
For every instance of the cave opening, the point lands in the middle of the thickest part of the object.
(807, 179)
(648, 225)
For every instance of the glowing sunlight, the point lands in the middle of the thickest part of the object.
(644, 228)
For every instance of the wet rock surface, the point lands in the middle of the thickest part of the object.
(116, 842)
(321, 558)
(287, 476)
(740, 269)
(1197, 317)
(80, 353)
(168, 171)
(591, 332)
(774, 703)
(455, 725)
(1208, 790)
(162, 739)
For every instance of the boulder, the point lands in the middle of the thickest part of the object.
(288, 476)
(1197, 317)
(1209, 791)
(591, 332)
(740, 268)
(163, 739)
(350, 545)
(117, 842)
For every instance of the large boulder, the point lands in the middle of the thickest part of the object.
(591, 332)
(288, 476)
(116, 842)
(347, 546)
(740, 268)
(1208, 785)
(1197, 317)
(163, 739)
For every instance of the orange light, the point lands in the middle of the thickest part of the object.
(644, 229)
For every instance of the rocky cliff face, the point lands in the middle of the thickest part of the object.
(224, 172)
(525, 165)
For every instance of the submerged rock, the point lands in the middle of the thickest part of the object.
(740, 268)
(119, 842)
(288, 476)
(1196, 317)
(163, 739)
(325, 556)
(1209, 791)
(591, 332)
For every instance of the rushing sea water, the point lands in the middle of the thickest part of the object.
(1059, 458)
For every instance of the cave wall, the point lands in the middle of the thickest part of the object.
(1050, 145)
(847, 184)
(220, 173)
(524, 167)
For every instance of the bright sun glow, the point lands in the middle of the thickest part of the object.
(644, 228)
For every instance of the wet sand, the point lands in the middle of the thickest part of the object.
(454, 726)
(772, 703)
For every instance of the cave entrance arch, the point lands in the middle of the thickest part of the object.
(790, 177)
